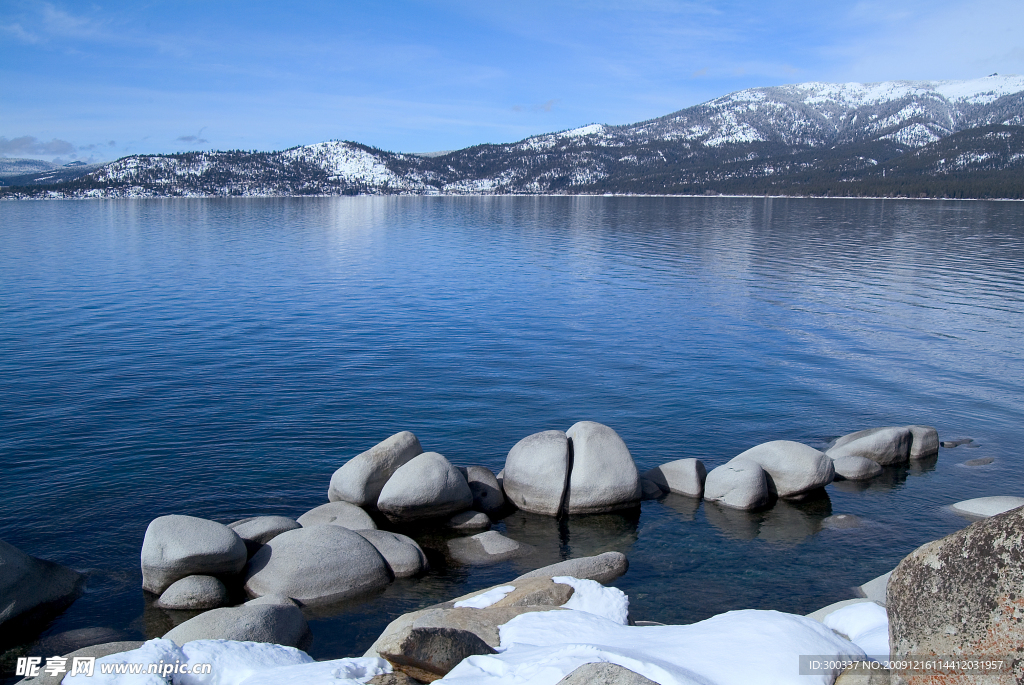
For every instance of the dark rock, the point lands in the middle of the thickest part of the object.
(962, 596)
(429, 653)
(80, 638)
(32, 591)
(397, 678)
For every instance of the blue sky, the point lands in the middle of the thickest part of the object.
(96, 81)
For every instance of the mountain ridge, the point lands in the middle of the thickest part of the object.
(808, 138)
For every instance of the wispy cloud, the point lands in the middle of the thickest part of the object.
(30, 145)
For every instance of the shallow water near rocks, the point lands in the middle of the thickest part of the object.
(221, 358)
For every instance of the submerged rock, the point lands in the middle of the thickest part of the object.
(469, 520)
(487, 548)
(427, 486)
(984, 507)
(32, 590)
(362, 478)
(177, 546)
(603, 476)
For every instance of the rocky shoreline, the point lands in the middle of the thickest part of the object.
(338, 552)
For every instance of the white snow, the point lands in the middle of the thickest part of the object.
(337, 672)
(867, 626)
(152, 652)
(592, 597)
(589, 130)
(735, 648)
(486, 599)
(234, 662)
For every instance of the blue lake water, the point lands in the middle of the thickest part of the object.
(221, 358)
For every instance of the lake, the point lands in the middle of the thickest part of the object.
(221, 358)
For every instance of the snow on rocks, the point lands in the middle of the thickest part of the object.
(544, 647)
(236, 661)
(984, 507)
(337, 672)
(603, 476)
(317, 566)
(682, 476)
(427, 486)
(536, 472)
(866, 625)
(486, 599)
(362, 478)
(342, 514)
(177, 546)
(604, 673)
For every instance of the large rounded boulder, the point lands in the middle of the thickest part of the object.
(427, 486)
(537, 471)
(961, 597)
(888, 446)
(924, 442)
(793, 469)
(177, 546)
(739, 484)
(362, 478)
(316, 566)
(603, 476)
(279, 624)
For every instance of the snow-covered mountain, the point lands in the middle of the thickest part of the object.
(808, 137)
